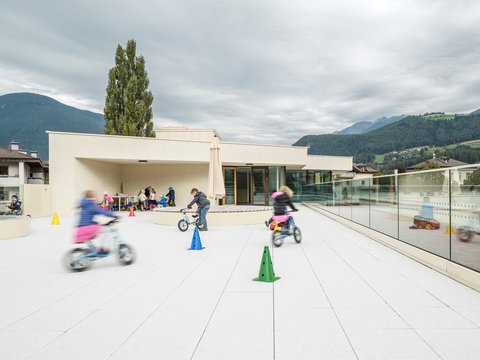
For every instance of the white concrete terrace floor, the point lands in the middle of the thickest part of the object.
(341, 296)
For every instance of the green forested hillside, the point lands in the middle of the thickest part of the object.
(409, 132)
(26, 117)
(465, 153)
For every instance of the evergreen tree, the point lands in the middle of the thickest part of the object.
(128, 104)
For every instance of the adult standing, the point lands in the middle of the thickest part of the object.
(203, 205)
(171, 196)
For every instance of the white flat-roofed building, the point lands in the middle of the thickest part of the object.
(177, 157)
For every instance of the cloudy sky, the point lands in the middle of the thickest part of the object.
(256, 70)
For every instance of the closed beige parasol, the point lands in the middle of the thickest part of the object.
(216, 186)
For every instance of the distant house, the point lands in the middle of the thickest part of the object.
(440, 162)
(17, 168)
(359, 172)
(458, 176)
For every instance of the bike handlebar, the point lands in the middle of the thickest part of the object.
(111, 222)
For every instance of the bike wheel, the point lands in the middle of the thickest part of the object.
(183, 225)
(125, 254)
(75, 260)
(277, 238)
(297, 234)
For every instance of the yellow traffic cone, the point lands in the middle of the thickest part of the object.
(450, 230)
(55, 219)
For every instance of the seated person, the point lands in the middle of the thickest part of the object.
(87, 228)
(282, 199)
(15, 207)
(163, 200)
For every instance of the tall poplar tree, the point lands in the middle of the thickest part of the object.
(128, 103)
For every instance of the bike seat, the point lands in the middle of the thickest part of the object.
(280, 218)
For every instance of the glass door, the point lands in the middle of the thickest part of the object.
(243, 185)
(230, 180)
(260, 186)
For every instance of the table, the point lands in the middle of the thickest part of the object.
(119, 200)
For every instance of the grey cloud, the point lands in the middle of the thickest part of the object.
(269, 71)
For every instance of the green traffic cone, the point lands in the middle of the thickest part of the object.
(266, 273)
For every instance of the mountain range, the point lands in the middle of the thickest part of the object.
(26, 117)
(363, 127)
(411, 131)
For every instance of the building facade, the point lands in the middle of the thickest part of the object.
(18, 168)
(177, 157)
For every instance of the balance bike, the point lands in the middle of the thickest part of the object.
(79, 259)
(283, 230)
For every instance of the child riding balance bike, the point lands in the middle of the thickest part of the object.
(282, 223)
(79, 258)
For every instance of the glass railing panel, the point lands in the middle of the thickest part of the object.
(361, 201)
(424, 211)
(465, 216)
(383, 206)
(436, 210)
(344, 196)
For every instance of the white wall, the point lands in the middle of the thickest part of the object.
(359, 176)
(98, 176)
(257, 154)
(37, 200)
(185, 134)
(324, 162)
(182, 177)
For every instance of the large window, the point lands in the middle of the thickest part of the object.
(276, 175)
(296, 179)
(3, 170)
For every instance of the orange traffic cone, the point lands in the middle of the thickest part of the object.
(132, 212)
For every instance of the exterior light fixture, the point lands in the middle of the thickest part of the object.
(249, 164)
(142, 161)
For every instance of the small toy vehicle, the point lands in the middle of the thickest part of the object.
(424, 223)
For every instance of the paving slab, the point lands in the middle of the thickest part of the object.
(341, 296)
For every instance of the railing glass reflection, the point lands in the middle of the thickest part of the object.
(435, 210)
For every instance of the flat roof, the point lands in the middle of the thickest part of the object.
(186, 129)
(174, 140)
